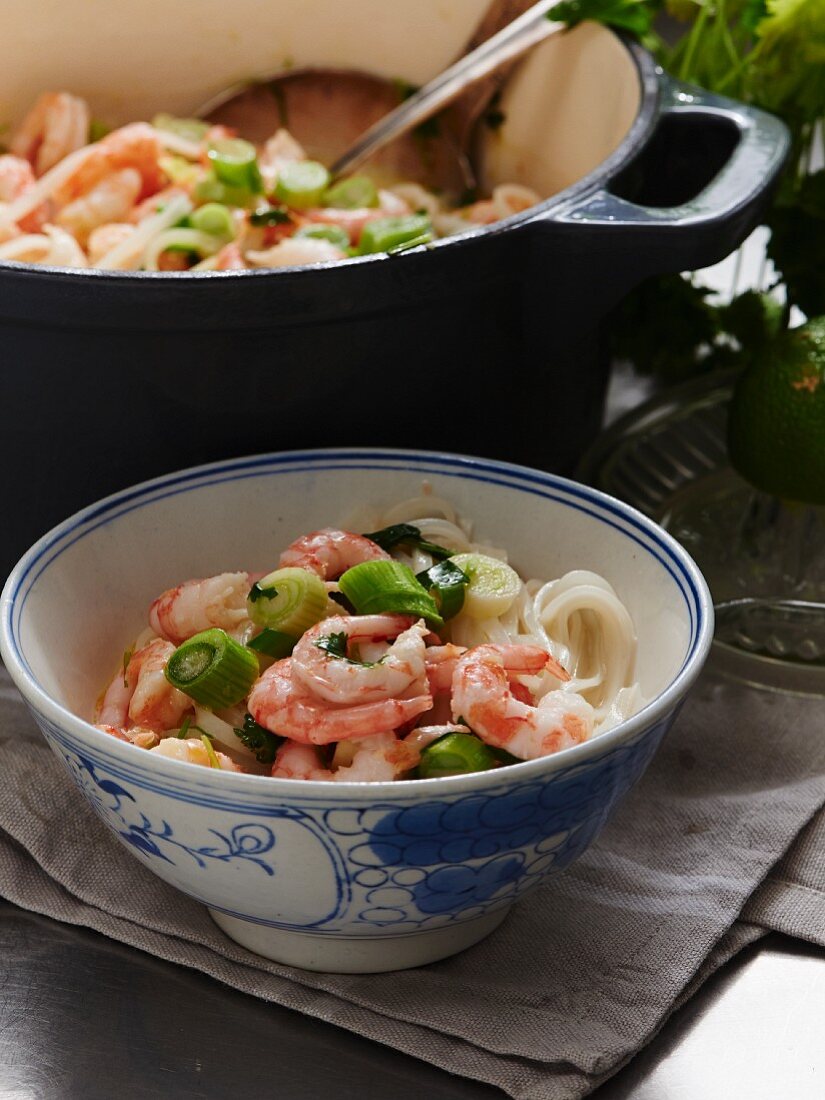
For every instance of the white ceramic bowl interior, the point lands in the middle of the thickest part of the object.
(568, 107)
(79, 597)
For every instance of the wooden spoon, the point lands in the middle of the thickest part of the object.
(344, 117)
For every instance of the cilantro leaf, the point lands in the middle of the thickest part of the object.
(405, 534)
(259, 740)
(335, 645)
(635, 16)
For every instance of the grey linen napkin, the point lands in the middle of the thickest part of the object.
(583, 972)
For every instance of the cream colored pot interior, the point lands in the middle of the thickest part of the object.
(567, 107)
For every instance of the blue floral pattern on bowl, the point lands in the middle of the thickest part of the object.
(400, 868)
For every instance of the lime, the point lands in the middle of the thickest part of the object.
(776, 426)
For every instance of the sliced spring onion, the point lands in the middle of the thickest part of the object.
(493, 586)
(235, 163)
(455, 754)
(447, 584)
(302, 184)
(210, 752)
(184, 727)
(274, 643)
(405, 534)
(215, 219)
(376, 586)
(352, 194)
(258, 740)
(213, 669)
(504, 757)
(413, 242)
(180, 170)
(289, 601)
(332, 233)
(271, 215)
(211, 189)
(385, 234)
(179, 239)
(192, 129)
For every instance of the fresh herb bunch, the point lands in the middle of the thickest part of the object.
(770, 53)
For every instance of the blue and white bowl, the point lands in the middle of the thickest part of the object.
(347, 876)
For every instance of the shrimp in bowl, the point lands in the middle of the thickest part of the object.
(200, 197)
(370, 656)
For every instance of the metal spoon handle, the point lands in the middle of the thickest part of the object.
(515, 39)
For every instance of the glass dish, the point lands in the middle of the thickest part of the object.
(764, 559)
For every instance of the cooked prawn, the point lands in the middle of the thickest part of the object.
(16, 178)
(282, 704)
(192, 750)
(104, 238)
(198, 605)
(330, 552)
(57, 125)
(380, 758)
(482, 696)
(278, 151)
(137, 146)
(342, 680)
(141, 696)
(110, 200)
(441, 661)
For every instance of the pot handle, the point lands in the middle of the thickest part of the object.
(709, 226)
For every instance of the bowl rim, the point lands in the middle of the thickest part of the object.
(648, 74)
(564, 490)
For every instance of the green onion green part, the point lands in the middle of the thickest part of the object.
(258, 740)
(184, 727)
(215, 219)
(210, 752)
(211, 189)
(405, 534)
(235, 162)
(377, 586)
(302, 184)
(386, 234)
(213, 669)
(447, 584)
(332, 233)
(455, 754)
(289, 601)
(352, 194)
(274, 643)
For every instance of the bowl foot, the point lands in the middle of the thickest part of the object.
(356, 954)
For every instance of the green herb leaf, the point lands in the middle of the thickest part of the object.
(257, 593)
(272, 215)
(335, 645)
(259, 740)
(629, 15)
(405, 534)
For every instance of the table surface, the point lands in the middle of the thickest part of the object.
(84, 1017)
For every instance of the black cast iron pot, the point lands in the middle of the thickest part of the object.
(487, 344)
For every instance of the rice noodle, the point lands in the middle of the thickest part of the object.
(577, 617)
(128, 254)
